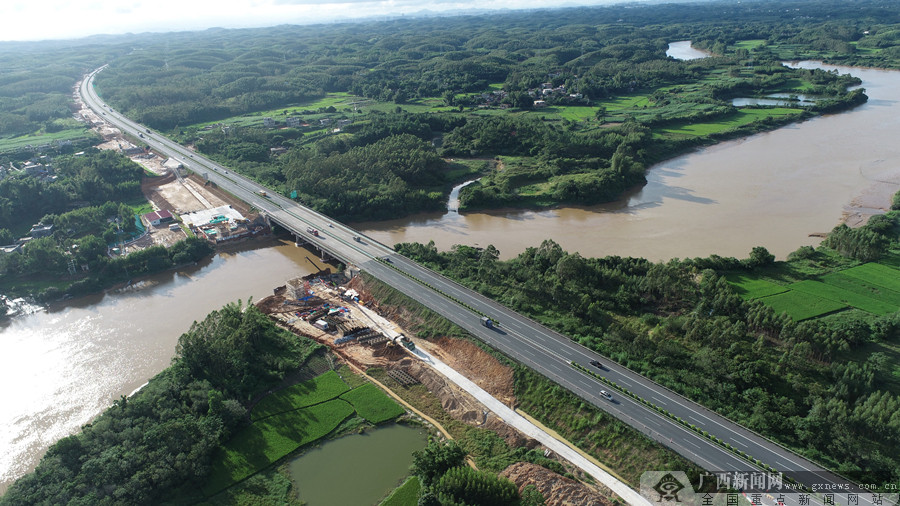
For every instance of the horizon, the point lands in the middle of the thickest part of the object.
(57, 20)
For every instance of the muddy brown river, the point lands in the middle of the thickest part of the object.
(60, 368)
(772, 189)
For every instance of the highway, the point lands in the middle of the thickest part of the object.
(520, 338)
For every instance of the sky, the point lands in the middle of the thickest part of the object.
(68, 19)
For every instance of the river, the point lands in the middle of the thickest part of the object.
(772, 189)
(61, 367)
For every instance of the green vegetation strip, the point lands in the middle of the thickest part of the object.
(734, 120)
(259, 445)
(681, 421)
(406, 494)
(801, 305)
(853, 292)
(877, 274)
(319, 389)
(750, 287)
(428, 285)
(373, 404)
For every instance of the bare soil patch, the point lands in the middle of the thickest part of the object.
(464, 356)
(556, 489)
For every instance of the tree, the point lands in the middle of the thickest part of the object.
(760, 257)
(434, 460)
(466, 486)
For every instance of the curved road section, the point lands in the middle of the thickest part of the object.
(522, 339)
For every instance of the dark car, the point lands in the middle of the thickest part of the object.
(596, 364)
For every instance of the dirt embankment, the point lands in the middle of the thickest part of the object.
(557, 490)
(464, 356)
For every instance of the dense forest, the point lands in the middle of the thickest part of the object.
(825, 387)
(90, 203)
(535, 88)
(158, 444)
(611, 101)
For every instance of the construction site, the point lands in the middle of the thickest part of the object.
(339, 313)
(204, 210)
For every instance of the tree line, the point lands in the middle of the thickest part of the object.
(682, 324)
(86, 207)
(156, 446)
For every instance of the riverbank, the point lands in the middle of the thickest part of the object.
(63, 365)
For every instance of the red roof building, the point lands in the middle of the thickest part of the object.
(158, 217)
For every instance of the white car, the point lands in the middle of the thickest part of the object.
(606, 394)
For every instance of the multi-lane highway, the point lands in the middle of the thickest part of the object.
(526, 341)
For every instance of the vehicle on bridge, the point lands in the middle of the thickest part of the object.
(310, 230)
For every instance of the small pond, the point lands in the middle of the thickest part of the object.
(357, 469)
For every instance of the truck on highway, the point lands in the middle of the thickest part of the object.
(263, 193)
(487, 322)
(312, 231)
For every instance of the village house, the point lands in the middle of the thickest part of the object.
(157, 218)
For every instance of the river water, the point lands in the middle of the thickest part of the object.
(773, 189)
(61, 367)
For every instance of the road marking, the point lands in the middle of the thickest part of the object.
(657, 400)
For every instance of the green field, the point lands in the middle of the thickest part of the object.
(266, 441)
(373, 404)
(626, 102)
(876, 274)
(753, 288)
(293, 417)
(736, 119)
(748, 44)
(871, 287)
(571, 113)
(841, 295)
(801, 306)
(319, 389)
(404, 495)
(72, 134)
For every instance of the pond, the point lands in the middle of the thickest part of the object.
(356, 469)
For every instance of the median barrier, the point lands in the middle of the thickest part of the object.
(682, 422)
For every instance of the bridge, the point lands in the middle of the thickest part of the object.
(524, 340)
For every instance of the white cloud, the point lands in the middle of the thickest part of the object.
(65, 19)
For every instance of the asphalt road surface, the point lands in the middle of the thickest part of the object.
(522, 339)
